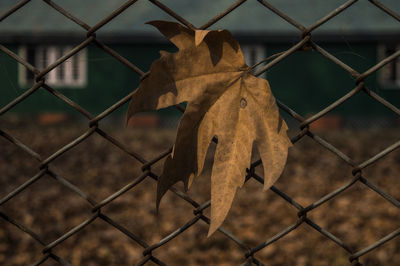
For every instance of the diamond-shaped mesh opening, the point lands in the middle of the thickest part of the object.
(134, 17)
(313, 76)
(320, 251)
(320, 10)
(370, 214)
(17, 166)
(383, 172)
(309, 173)
(40, 206)
(45, 135)
(386, 254)
(11, 247)
(112, 166)
(88, 245)
(37, 22)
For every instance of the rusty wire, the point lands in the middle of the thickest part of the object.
(250, 253)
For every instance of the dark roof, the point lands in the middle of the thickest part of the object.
(37, 19)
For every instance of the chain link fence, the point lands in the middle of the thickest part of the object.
(94, 124)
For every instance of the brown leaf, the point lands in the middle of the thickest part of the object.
(224, 100)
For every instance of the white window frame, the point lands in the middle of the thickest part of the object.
(54, 52)
(253, 54)
(383, 81)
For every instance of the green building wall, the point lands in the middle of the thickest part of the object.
(305, 81)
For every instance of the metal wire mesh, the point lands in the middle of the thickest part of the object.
(95, 128)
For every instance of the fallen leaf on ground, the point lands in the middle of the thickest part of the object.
(223, 99)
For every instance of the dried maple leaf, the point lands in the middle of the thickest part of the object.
(224, 100)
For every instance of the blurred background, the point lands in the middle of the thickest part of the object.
(361, 36)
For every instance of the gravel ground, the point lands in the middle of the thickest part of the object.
(358, 216)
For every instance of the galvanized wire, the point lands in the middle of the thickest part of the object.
(305, 43)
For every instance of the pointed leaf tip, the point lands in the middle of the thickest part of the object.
(200, 35)
(178, 34)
